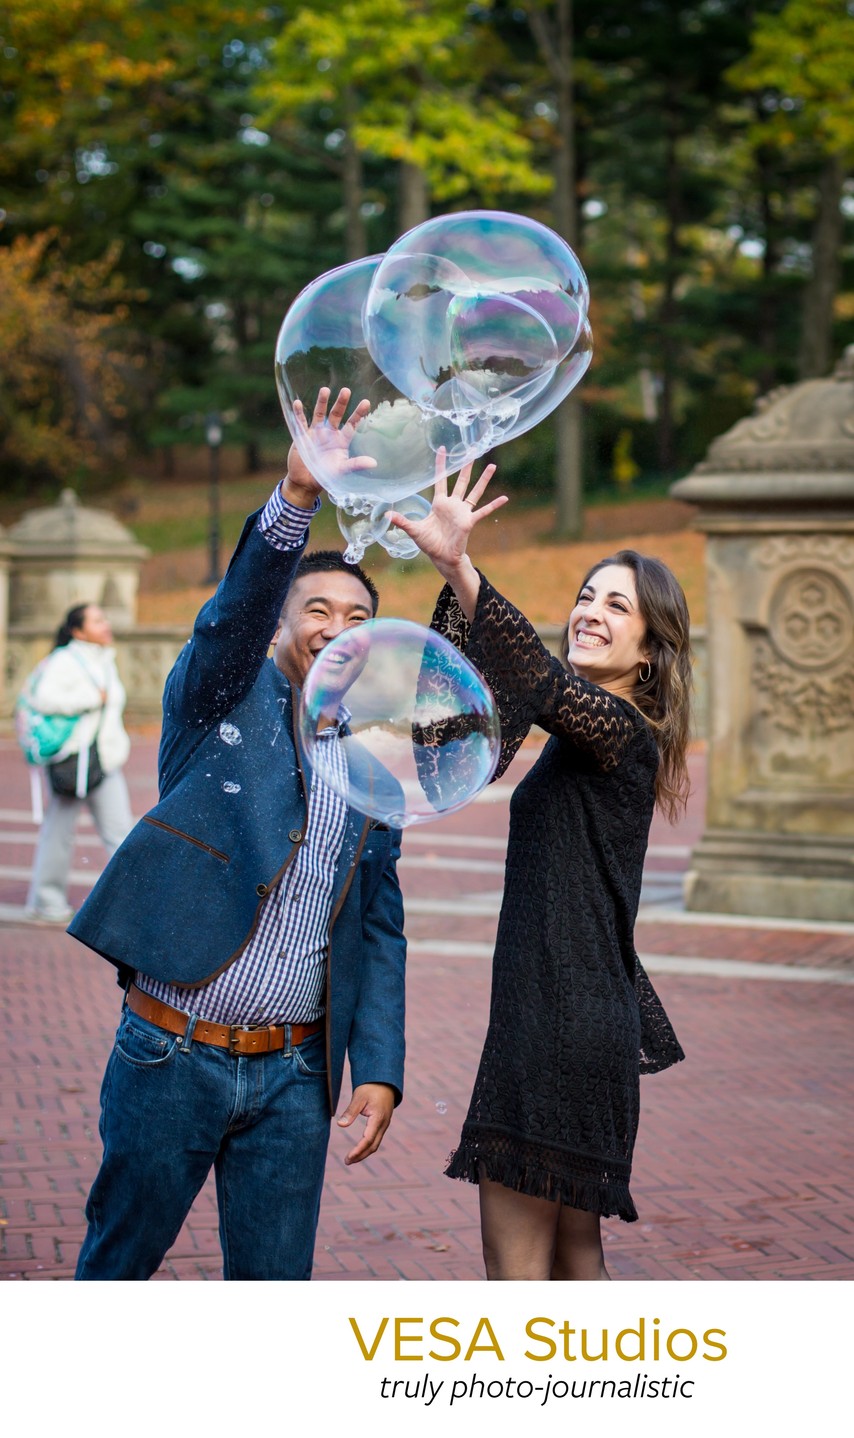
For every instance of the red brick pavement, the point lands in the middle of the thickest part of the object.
(743, 1167)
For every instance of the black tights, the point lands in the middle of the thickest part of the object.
(537, 1238)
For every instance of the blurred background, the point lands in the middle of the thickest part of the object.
(172, 174)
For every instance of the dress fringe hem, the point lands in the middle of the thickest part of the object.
(611, 1200)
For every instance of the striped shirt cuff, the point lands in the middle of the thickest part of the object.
(284, 525)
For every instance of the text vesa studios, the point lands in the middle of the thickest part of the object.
(444, 1339)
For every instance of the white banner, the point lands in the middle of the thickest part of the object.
(386, 1358)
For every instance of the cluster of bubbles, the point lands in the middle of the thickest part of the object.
(398, 722)
(465, 334)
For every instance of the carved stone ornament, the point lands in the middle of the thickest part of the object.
(803, 428)
(811, 622)
(831, 549)
(809, 707)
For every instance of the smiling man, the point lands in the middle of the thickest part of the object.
(257, 933)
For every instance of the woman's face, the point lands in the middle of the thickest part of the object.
(95, 628)
(607, 632)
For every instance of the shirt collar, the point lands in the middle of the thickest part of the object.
(342, 720)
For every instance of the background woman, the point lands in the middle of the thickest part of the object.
(79, 677)
(573, 1019)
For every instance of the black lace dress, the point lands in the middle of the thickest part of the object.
(573, 1018)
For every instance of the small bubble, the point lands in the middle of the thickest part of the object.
(230, 734)
(230, 787)
(441, 1107)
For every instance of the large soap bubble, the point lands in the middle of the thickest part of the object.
(420, 730)
(490, 299)
(322, 343)
(466, 334)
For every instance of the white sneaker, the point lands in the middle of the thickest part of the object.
(54, 916)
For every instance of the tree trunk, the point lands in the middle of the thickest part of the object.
(414, 204)
(356, 246)
(768, 300)
(667, 314)
(816, 350)
(569, 515)
(253, 456)
(556, 50)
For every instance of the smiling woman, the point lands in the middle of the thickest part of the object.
(574, 1020)
(606, 633)
(629, 632)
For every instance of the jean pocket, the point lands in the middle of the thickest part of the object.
(143, 1045)
(310, 1056)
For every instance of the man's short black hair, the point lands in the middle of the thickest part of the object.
(322, 561)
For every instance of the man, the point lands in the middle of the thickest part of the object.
(259, 925)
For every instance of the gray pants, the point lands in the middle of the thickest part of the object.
(109, 806)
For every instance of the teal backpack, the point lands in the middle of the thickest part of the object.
(41, 736)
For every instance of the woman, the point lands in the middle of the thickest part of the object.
(79, 677)
(574, 1019)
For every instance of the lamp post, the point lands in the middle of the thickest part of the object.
(213, 435)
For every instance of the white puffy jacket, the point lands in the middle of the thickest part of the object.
(71, 680)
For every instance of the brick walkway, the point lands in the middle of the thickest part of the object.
(743, 1168)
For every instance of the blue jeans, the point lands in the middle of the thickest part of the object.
(170, 1109)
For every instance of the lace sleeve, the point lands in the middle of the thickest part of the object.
(449, 621)
(531, 686)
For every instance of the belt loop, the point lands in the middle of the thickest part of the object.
(287, 1047)
(187, 1036)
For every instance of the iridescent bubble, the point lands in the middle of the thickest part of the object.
(484, 296)
(406, 321)
(321, 343)
(362, 529)
(498, 345)
(441, 1107)
(420, 731)
(394, 539)
(467, 333)
(229, 733)
(498, 253)
(564, 379)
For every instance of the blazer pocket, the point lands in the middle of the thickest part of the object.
(179, 834)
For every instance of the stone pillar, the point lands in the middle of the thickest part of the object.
(62, 555)
(68, 554)
(775, 497)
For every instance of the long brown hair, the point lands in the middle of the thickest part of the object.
(664, 698)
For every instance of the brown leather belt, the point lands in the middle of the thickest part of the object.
(235, 1037)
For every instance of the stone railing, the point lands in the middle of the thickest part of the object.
(145, 656)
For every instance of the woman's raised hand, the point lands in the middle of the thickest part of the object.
(443, 535)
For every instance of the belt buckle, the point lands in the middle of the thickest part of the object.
(234, 1030)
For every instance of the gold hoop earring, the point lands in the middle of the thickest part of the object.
(645, 678)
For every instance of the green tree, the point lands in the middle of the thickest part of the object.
(799, 70)
(408, 81)
(62, 368)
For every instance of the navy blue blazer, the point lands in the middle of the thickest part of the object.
(182, 896)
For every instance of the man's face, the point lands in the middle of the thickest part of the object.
(318, 608)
